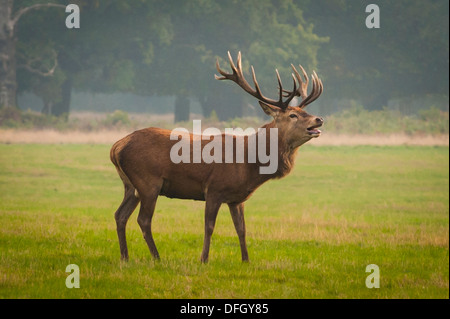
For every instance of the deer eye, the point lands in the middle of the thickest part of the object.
(293, 116)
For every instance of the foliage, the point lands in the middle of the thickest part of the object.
(269, 34)
(153, 40)
(357, 120)
(407, 56)
(117, 118)
(103, 55)
(15, 118)
(170, 48)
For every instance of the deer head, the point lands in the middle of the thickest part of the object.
(295, 125)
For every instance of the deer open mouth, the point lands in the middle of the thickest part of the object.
(313, 131)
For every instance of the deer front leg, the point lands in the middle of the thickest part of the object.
(237, 214)
(211, 209)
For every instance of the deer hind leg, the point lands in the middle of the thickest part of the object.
(123, 213)
(211, 209)
(148, 203)
(237, 214)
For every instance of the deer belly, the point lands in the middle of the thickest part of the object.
(238, 197)
(183, 189)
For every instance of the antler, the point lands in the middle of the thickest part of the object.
(238, 77)
(317, 87)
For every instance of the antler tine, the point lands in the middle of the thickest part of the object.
(316, 91)
(306, 100)
(319, 90)
(222, 72)
(289, 94)
(258, 89)
(225, 75)
(280, 86)
(304, 73)
(319, 87)
(233, 67)
(294, 90)
(302, 90)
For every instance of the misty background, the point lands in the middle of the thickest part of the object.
(158, 57)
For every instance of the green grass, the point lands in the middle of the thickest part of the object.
(310, 235)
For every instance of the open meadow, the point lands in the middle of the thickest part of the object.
(310, 235)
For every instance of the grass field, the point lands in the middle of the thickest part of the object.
(310, 235)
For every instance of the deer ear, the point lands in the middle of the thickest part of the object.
(269, 109)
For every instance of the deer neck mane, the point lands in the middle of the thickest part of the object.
(286, 154)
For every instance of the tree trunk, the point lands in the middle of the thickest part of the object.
(8, 81)
(182, 109)
(376, 102)
(48, 106)
(62, 108)
(205, 103)
(229, 103)
(226, 102)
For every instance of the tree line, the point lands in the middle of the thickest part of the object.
(156, 47)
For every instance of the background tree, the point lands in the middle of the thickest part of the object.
(10, 14)
(169, 48)
(405, 57)
(269, 33)
(115, 40)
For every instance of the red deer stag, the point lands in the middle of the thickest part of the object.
(143, 162)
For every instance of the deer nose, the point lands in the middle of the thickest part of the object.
(319, 120)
